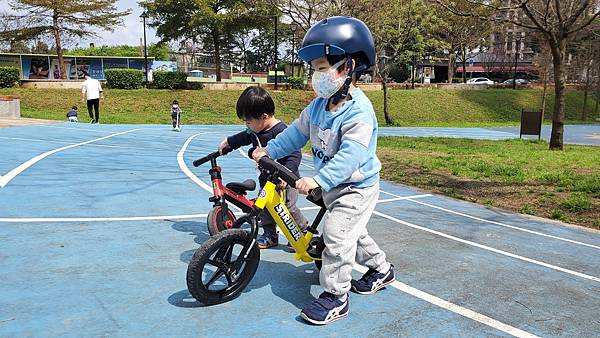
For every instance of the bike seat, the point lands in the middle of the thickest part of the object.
(242, 187)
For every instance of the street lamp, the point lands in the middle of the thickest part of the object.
(144, 15)
(293, 27)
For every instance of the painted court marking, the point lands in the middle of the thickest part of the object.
(499, 223)
(146, 218)
(478, 317)
(189, 173)
(99, 219)
(485, 247)
(16, 171)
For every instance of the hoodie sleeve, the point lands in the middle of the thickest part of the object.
(292, 138)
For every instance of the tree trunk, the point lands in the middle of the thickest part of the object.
(597, 90)
(386, 114)
(464, 64)
(558, 117)
(545, 93)
(217, 44)
(59, 51)
(450, 66)
(585, 93)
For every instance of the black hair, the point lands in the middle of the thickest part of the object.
(359, 59)
(333, 59)
(253, 103)
(74, 107)
(175, 102)
(85, 73)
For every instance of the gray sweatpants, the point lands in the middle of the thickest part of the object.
(268, 223)
(346, 238)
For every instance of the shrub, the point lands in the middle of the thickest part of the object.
(296, 82)
(169, 80)
(124, 78)
(9, 76)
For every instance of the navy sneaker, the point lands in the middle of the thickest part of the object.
(373, 281)
(267, 240)
(326, 309)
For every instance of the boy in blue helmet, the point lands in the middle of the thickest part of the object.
(342, 128)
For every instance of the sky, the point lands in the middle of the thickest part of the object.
(129, 34)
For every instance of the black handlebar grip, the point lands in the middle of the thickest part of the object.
(211, 156)
(284, 173)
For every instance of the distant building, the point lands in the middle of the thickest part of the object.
(47, 67)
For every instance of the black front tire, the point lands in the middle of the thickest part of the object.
(217, 272)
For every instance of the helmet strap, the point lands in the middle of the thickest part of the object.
(342, 93)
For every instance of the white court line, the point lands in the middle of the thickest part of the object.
(146, 218)
(503, 224)
(444, 304)
(481, 246)
(63, 142)
(16, 171)
(98, 219)
(509, 226)
(189, 173)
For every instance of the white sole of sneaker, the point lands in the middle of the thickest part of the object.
(317, 322)
(379, 287)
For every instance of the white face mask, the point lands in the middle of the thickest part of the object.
(327, 83)
(175, 106)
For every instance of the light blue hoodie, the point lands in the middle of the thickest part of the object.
(343, 142)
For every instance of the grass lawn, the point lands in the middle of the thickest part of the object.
(517, 175)
(443, 108)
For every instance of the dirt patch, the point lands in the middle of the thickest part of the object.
(533, 199)
(18, 122)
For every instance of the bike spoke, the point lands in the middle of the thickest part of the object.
(229, 253)
(215, 277)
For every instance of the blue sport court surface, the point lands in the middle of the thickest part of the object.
(99, 222)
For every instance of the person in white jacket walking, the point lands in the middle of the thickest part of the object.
(91, 91)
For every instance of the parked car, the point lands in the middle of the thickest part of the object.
(520, 82)
(480, 80)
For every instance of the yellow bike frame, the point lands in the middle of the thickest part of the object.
(274, 202)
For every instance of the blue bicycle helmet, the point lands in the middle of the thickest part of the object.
(339, 35)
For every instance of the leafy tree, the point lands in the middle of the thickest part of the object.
(558, 21)
(211, 22)
(61, 19)
(460, 35)
(157, 50)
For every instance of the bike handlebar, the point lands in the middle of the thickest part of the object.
(212, 156)
(270, 166)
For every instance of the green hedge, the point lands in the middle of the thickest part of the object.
(169, 80)
(9, 76)
(296, 82)
(124, 78)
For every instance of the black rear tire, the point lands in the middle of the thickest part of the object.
(217, 272)
(218, 221)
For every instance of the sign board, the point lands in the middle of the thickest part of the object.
(531, 123)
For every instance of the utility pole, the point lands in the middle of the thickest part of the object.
(518, 44)
(144, 16)
(276, 51)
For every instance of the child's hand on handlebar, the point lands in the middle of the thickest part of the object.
(306, 184)
(258, 153)
(282, 185)
(222, 146)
